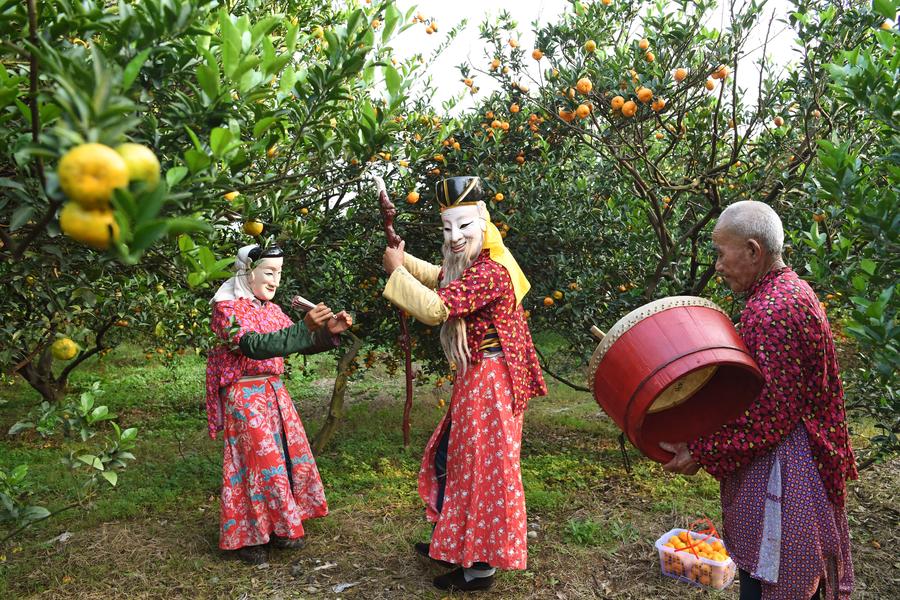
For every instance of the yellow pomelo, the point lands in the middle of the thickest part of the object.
(95, 228)
(64, 349)
(141, 162)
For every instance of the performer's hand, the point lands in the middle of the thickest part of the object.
(683, 462)
(340, 323)
(393, 258)
(317, 317)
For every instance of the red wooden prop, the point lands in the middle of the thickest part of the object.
(388, 212)
(651, 354)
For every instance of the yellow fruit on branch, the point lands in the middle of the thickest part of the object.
(644, 94)
(680, 75)
(658, 104)
(649, 57)
(584, 85)
(644, 44)
(498, 197)
(557, 295)
(141, 163)
(617, 102)
(566, 115)
(412, 197)
(231, 195)
(582, 111)
(778, 121)
(94, 228)
(590, 46)
(514, 108)
(629, 109)
(64, 349)
(376, 23)
(548, 301)
(710, 84)
(89, 173)
(253, 228)
(495, 64)
(537, 54)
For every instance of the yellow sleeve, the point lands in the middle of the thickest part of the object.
(408, 293)
(422, 270)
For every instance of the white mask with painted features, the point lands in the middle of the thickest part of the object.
(463, 229)
(265, 278)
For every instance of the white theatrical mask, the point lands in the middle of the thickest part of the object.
(464, 228)
(265, 278)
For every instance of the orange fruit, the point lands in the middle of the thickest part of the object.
(566, 115)
(520, 160)
(658, 104)
(622, 288)
(582, 111)
(456, 146)
(489, 114)
(617, 102)
(590, 46)
(513, 108)
(272, 152)
(89, 173)
(816, 113)
(376, 23)
(433, 25)
(253, 228)
(584, 85)
(64, 349)
(629, 109)
(680, 75)
(557, 295)
(644, 94)
(778, 121)
(644, 44)
(536, 54)
(548, 301)
(468, 82)
(498, 197)
(710, 85)
(660, 135)
(650, 57)
(721, 73)
(94, 228)
(412, 197)
(606, 2)
(495, 64)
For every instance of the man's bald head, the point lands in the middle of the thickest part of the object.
(752, 220)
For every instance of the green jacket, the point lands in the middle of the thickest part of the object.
(291, 340)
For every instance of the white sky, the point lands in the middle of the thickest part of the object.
(467, 47)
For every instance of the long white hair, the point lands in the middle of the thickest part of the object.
(453, 332)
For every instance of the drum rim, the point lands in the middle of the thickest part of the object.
(636, 316)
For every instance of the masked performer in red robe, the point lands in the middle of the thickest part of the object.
(470, 479)
(270, 483)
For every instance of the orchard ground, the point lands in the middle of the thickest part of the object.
(156, 537)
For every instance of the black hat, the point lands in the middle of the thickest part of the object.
(458, 191)
(260, 253)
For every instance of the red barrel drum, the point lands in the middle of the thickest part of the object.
(673, 370)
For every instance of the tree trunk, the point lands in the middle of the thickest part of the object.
(336, 409)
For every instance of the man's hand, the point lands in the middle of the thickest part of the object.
(683, 462)
(317, 316)
(340, 323)
(393, 258)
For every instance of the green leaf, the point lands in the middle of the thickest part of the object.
(20, 217)
(175, 175)
(34, 513)
(868, 266)
(393, 80)
(885, 8)
(209, 81)
(134, 67)
(263, 125)
(218, 140)
(391, 17)
(91, 460)
(111, 476)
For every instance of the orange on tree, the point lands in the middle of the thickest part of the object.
(495, 64)
(590, 46)
(304, 211)
(606, 2)
(566, 115)
(680, 75)
(376, 23)
(272, 152)
(520, 160)
(649, 57)
(644, 94)
(537, 54)
(89, 173)
(514, 108)
(582, 111)
(710, 84)
(513, 43)
(548, 301)
(622, 288)
(498, 197)
(64, 349)
(778, 121)
(253, 228)
(617, 102)
(412, 197)
(94, 228)
(433, 25)
(141, 163)
(660, 135)
(816, 113)
(231, 195)
(629, 109)
(557, 295)
(818, 217)
(658, 104)
(584, 85)
(468, 82)
(644, 44)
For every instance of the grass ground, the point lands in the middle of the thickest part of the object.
(155, 536)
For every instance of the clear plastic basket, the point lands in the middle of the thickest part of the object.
(685, 566)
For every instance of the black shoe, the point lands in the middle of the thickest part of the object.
(422, 549)
(456, 580)
(252, 555)
(290, 543)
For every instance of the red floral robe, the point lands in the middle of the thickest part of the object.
(270, 483)
(483, 516)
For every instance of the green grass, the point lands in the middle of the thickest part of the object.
(155, 534)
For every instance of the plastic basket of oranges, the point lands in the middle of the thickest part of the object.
(698, 558)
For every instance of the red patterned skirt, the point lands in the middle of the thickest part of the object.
(270, 483)
(483, 515)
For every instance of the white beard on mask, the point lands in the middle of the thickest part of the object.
(454, 340)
